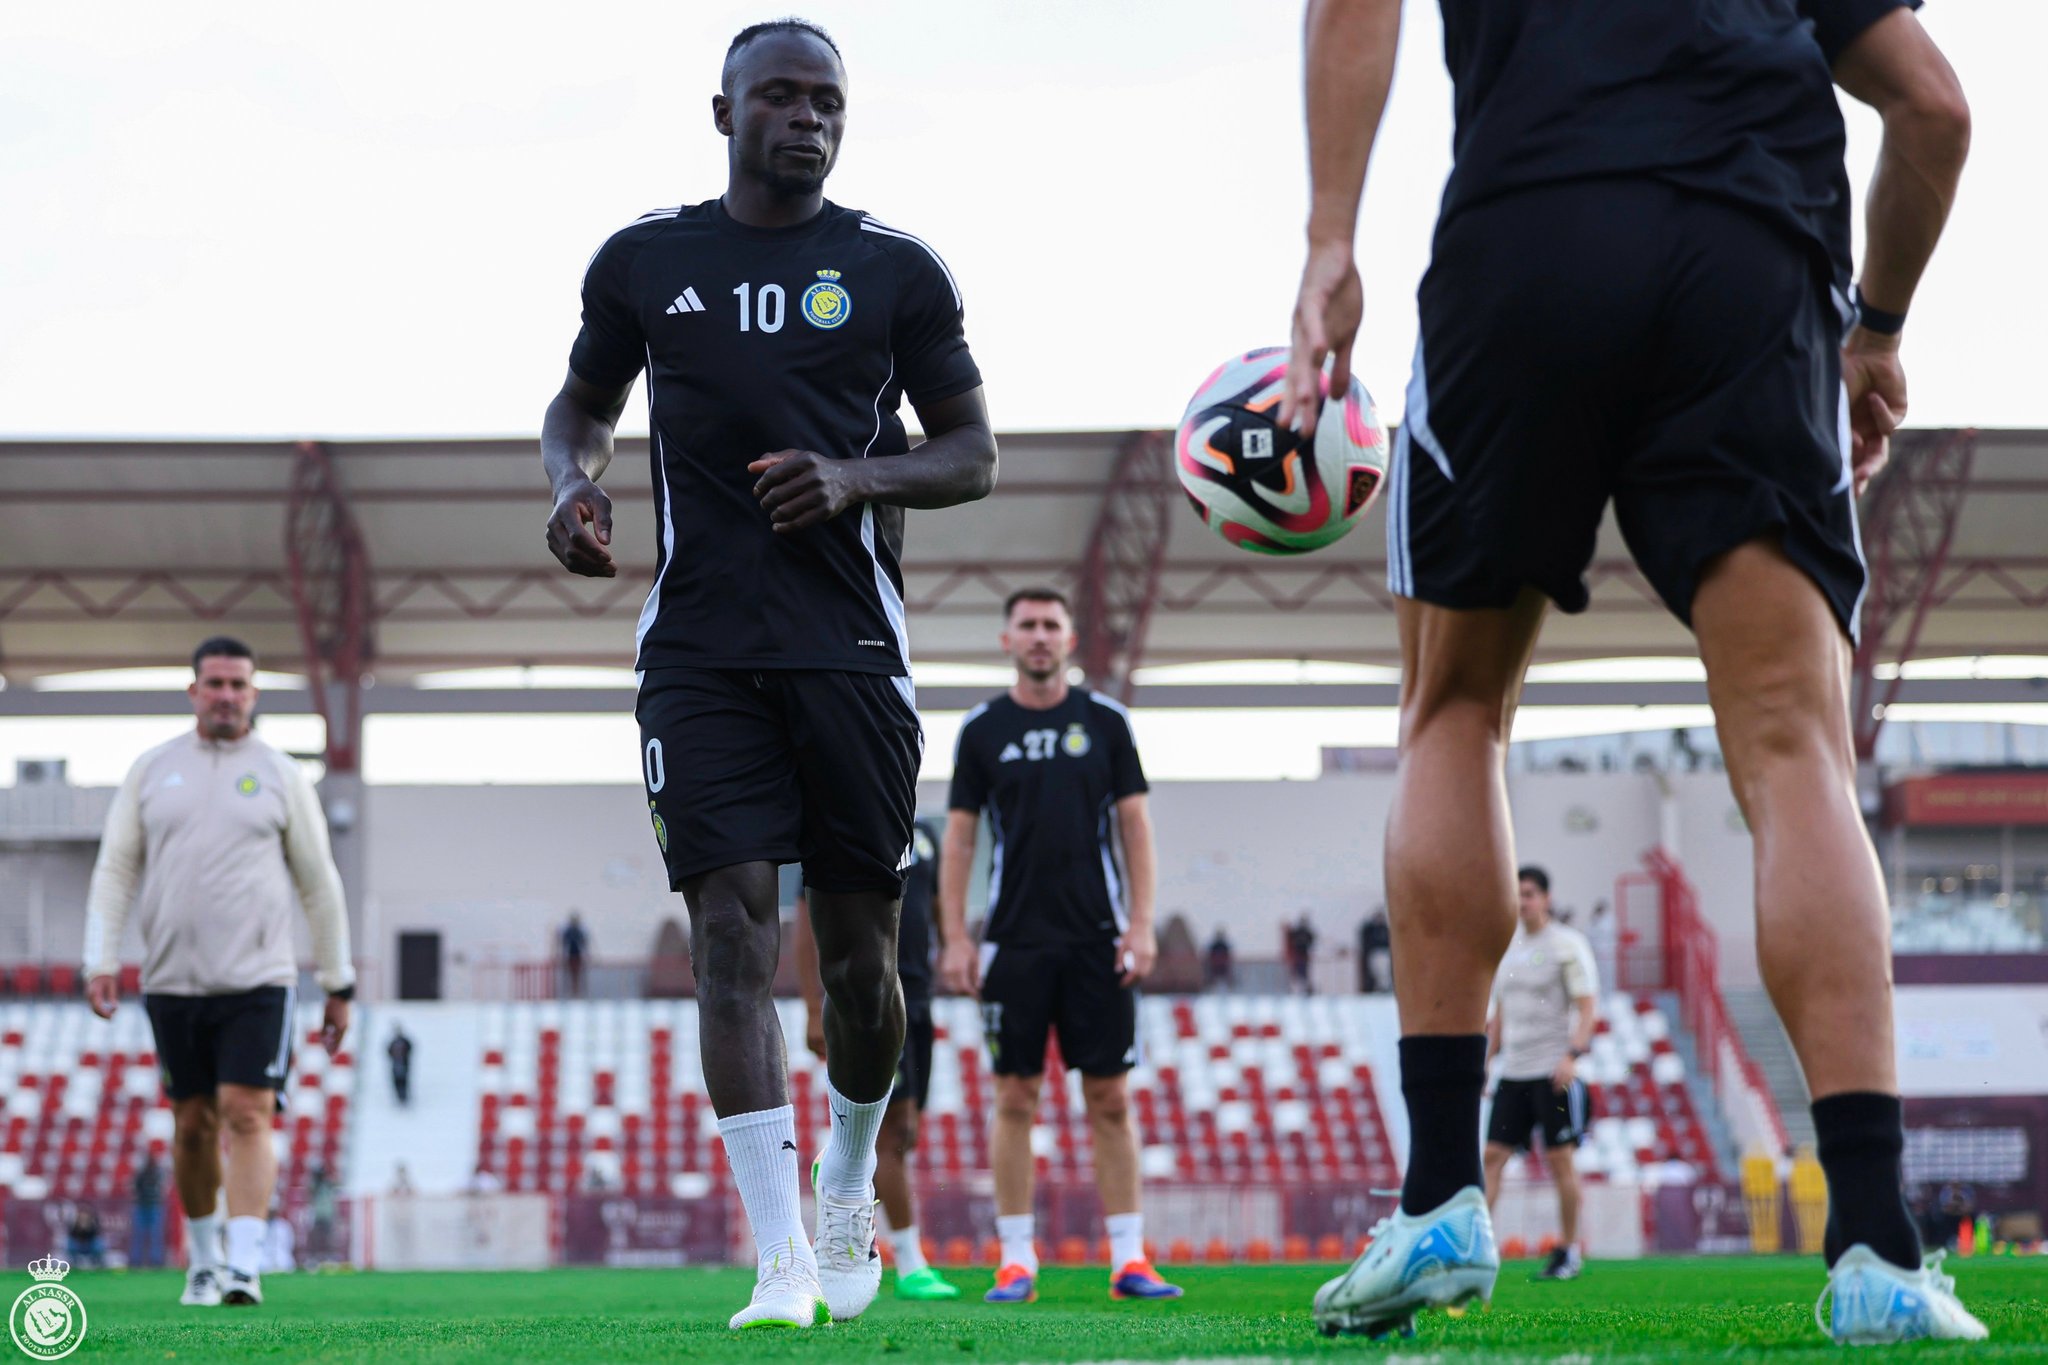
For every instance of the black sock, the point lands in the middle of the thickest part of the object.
(1441, 1078)
(1861, 1137)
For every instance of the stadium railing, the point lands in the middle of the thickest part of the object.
(1689, 965)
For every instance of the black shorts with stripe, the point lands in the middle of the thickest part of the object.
(1522, 1109)
(206, 1041)
(1620, 340)
(1074, 991)
(810, 766)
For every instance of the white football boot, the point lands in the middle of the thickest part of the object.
(240, 1287)
(849, 1262)
(786, 1294)
(1878, 1303)
(202, 1287)
(1443, 1259)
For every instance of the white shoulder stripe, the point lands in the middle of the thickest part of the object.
(870, 225)
(960, 736)
(1111, 702)
(652, 216)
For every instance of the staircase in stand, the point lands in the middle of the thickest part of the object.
(1764, 1038)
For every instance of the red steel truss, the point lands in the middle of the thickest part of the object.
(328, 571)
(1909, 525)
(1119, 584)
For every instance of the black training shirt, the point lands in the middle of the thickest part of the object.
(914, 932)
(757, 340)
(1731, 98)
(1049, 781)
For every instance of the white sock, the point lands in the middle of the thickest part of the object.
(847, 1171)
(1015, 1232)
(761, 1149)
(245, 1243)
(202, 1240)
(909, 1254)
(1126, 1238)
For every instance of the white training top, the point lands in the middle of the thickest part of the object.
(217, 842)
(1539, 978)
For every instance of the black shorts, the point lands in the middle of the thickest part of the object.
(1028, 992)
(206, 1041)
(1628, 340)
(1523, 1108)
(914, 1068)
(782, 766)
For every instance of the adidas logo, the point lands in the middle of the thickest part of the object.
(686, 302)
(1011, 753)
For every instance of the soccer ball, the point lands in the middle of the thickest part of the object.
(1255, 482)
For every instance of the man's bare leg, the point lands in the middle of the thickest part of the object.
(735, 939)
(196, 1170)
(1496, 1158)
(892, 1163)
(1451, 872)
(1778, 676)
(1010, 1153)
(246, 1112)
(1565, 1176)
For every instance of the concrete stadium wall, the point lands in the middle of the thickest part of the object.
(495, 869)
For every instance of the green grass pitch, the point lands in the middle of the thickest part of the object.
(1656, 1310)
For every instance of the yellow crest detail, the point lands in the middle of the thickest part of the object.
(826, 304)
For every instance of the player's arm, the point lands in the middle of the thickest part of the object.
(112, 894)
(311, 860)
(1894, 67)
(1138, 949)
(575, 449)
(809, 983)
(1579, 989)
(1492, 1034)
(1348, 57)
(957, 965)
(955, 463)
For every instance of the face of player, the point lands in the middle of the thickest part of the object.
(786, 113)
(1039, 638)
(1534, 906)
(224, 696)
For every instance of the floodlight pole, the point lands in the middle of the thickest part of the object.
(1119, 580)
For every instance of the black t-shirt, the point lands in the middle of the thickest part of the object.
(757, 340)
(914, 934)
(1731, 98)
(1049, 781)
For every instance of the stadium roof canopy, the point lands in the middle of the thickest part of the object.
(397, 558)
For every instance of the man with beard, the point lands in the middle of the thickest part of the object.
(213, 842)
(779, 333)
(1068, 934)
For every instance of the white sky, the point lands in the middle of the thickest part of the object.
(304, 220)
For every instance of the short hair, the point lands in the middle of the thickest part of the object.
(221, 647)
(1533, 873)
(1036, 595)
(788, 24)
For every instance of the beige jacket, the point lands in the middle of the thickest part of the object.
(216, 843)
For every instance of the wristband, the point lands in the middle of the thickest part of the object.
(347, 992)
(1578, 1054)
(1877, 319)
